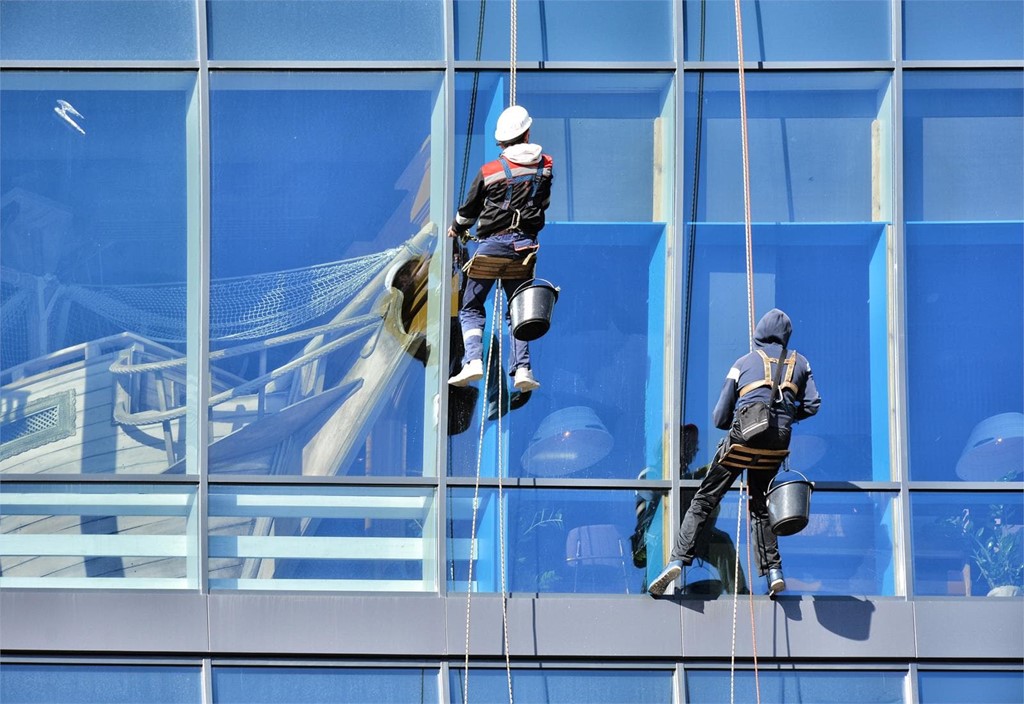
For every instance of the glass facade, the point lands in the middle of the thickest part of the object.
(229, 310)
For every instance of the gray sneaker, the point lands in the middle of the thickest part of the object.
(667, 576)
(776, 582)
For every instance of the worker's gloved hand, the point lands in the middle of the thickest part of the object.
(455, 232)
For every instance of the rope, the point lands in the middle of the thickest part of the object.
(498, 305)
(746, 175)
(735, 598)
(513, 41)
(501, 512)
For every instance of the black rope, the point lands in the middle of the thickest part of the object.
(691, 245)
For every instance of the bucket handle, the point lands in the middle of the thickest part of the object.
(784, 483)
(527, 284)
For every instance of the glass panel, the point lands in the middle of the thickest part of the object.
(330, 538)
(964, 145)
(94, 180)
(98, 30)
(963, 29)
(819, 146)
(323, 228)
(968, 544)
(788, 30)
(565, 30)
(598, 686)
(99, 684)
(955, 271)
(588, 419)
(556, 540)
(400, 30)
(964, 687)
(267, 685)
(98, 536)
(769, 687)
(846, 549)
(848, 439)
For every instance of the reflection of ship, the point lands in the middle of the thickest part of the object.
(117, 403)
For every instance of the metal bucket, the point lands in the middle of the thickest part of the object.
(530, 309)
(789, 505)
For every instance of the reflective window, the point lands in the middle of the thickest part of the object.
(605, 250)
(325, 30)
(561, 541)
(788, 30)
(323, 685)
(771, 687)
(94, 197)
(98, 29)
(565, 30)
(818, 143)
(963, 145)
(848, 439)
(845, 549)
(963, 29)
(323, 225)
(968, 545)
(597, 686)
(333, 538)
(964, 249)
(87, 536)
(99, 684)
(967, 687)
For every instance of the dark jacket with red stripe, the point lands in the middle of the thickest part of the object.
(489, 203)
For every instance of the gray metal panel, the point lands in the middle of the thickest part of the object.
(977, 628)
(129, 622)
(319, 624)
(800, 627)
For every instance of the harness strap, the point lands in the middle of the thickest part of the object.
(767, 381)
(511, 180)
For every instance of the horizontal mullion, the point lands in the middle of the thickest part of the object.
(94, 545)
(95, 583)
(75, 504)
(326, 585)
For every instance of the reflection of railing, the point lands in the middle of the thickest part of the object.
(150, 535)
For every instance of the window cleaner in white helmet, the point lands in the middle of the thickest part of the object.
(506, 200)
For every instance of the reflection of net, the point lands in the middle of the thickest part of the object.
(241, 308)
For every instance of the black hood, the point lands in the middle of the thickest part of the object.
(774, 328)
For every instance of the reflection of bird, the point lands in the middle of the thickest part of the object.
(65, 110)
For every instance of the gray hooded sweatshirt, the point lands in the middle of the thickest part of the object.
(771, 335)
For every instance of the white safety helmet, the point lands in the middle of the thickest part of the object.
(512, 122)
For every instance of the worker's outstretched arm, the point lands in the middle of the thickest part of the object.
(469, 211)
(810, 401)
(722, 415)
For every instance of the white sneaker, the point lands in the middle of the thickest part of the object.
(524, 380)
(472, 370)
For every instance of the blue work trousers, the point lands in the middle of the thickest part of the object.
(473, 318)
(713, 489)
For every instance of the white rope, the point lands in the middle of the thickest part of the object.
(501, 508)
(513, 42)
(735, 598)
(499, 323)
(746, 176)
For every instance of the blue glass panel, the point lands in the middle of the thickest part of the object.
(963, 29)
(556, 540)
(95, 536)
(267, 685)
(838, 686)
(398, 30)
(99, 684)
(963, 145)
(816, 143)
(968, 544)
(604, 247)
(965, 687)
(94, 176)
(845, 549)
(328, 538)
(844, 265)
(598, 686)
(320, 251)
(565, 30)
(98, 29)
(956, 272)
(788, 30)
